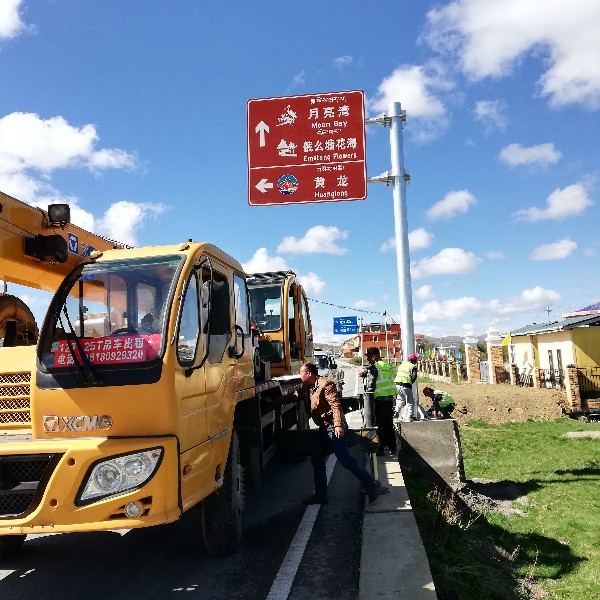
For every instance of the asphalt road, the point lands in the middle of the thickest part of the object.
(170, 561)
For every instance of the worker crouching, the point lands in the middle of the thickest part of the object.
(443, 403)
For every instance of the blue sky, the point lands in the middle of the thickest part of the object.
(135, 113)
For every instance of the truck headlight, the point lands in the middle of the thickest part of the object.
(118, 474)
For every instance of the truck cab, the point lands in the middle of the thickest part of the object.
(141, 361)
(279, 310)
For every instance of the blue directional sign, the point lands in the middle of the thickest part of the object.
(345, 325)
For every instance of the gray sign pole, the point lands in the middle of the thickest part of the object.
(398, 178)
(398, 116)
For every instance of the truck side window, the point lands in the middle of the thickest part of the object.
(216, 314)
(240, 298)
(189, 325)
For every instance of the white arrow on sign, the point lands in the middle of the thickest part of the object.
(260, 129)
(263, 185)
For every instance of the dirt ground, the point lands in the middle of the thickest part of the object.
(500, 403)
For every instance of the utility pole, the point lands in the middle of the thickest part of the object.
(398, 177)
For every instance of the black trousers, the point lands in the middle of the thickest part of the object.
(384, 415)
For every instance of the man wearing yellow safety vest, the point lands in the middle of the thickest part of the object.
(380, 383)
(406, 375)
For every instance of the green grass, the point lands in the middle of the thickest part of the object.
(551, 549)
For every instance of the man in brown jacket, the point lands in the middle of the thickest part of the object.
(326, 412)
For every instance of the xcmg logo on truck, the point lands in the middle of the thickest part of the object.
(58, 424)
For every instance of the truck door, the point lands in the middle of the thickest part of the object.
(190, 382)
(218, 338)
(306, 325)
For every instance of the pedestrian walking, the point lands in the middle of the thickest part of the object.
(326, 412)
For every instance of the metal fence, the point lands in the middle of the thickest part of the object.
(589, 382)
(525, 380)
(552, 378)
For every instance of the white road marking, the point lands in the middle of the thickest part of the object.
(283, 582)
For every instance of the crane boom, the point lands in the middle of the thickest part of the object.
(35, 251)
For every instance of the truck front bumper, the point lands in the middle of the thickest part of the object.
(41, 485)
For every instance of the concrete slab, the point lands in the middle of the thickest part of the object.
(393, 563)
(390, 475)
(393, 560)
(437, 442)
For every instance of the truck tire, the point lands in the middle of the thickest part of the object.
(222, 510)
(10, 545)
(14, 309)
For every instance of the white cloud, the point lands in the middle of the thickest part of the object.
(415, 87)
(123, 218)
(515, 154)
(44, 145)
(388, 245)
(491, 113)
(494, 254)
(453, 309)
(452, 204)
(261, 262)
(425, 292)
(450, 261)
(446, 310)
(312, 283)
(420, 238)
(11, 24)
(555, 251)
(342, 61)
(534, 298)
(489, 39)
(319, 239)
(297, 80)
(417, 240)
(363, 304)
(561, 204)
(32, 148)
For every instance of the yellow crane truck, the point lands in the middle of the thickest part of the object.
(149, 387)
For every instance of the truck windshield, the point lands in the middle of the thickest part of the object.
(265, 304)
(112, 313)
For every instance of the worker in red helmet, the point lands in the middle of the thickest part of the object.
(406, 375)
(443, 403)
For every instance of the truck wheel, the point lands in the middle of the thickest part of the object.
(14, 309)
(10, 545)
(222, 510)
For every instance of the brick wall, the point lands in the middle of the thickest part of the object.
(572, 387)
(473, 373)
(497, 363)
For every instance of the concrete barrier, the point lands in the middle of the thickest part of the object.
(437, 442)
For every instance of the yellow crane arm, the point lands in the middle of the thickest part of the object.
(36, 249)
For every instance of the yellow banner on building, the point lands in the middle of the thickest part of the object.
(506, 340)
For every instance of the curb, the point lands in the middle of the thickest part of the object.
(393, 562)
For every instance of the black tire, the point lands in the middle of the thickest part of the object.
(14, 309)
(222, 510)
(10, 545)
